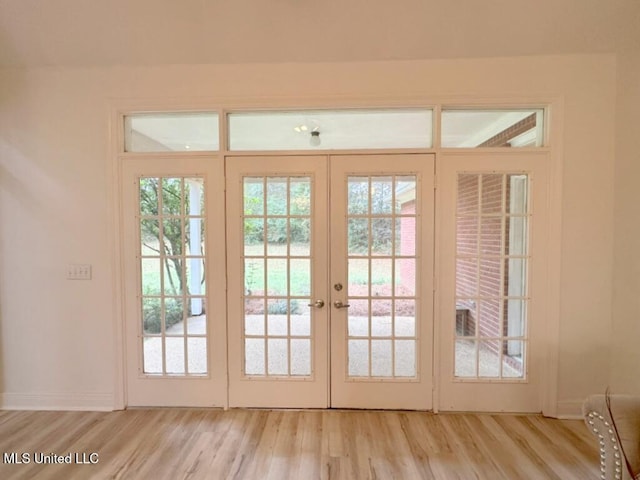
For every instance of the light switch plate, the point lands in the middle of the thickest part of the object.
(78, 271)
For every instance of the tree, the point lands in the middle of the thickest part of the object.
(163, 232)
(171, 243)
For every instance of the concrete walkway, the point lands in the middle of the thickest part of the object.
(277, 356)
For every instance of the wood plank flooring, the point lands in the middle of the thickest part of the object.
(176, 443)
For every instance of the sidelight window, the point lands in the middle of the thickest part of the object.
(492, 260)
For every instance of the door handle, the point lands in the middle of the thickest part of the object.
(339, 304)
(317, 304)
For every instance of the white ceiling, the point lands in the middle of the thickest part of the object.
(156, 32)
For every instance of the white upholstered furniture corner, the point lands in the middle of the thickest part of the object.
(616, 425)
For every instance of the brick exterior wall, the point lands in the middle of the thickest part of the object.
(502, 138)
(481, 230)
(408, 244)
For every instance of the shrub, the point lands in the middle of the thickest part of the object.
(151, 313)
(281, 307)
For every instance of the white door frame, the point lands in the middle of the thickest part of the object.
(554, 137)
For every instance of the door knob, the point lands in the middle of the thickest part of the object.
(317, 304)
(339, 304)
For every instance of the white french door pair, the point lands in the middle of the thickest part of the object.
(308, 281)
(330, 281)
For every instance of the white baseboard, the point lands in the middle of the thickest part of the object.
(570, 410)
(102, 402)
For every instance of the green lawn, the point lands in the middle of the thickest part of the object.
(276, 272)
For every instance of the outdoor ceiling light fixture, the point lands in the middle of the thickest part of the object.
(314, 130)
(315, 137)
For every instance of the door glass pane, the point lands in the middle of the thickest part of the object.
(149, 235)
(358, 358)
(253, 236)
(403, 244)
(405, 276)
(358, 236)
(150, 276)
(382, 223)
(300, 196)
(358, 323)
(254, 319)
(405, 358)
(301, 357)
(300, 234)
(300, 318)
(300, 277)
(512, 359)
(151, 315)
(383, 236)
(174, 315)
(277, 197)
(197, 350)
(405, 318)
(277, 310)
(254, 361)
(172, 196)
(489, 358)
(152, 353)
(381, 195)
(277, 276)
(173, 242)
(173, 295)
(381, 276)
(381, 358)
(277, 235)
(175, 357)
(358, 195)
(194, 276)
(466, 358)
(381, 318)
(358, 275)
(253, 196)
(278, 356)
(254, 269)
(491, 275)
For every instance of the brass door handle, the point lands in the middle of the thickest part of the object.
(317, 304)
(339, 304)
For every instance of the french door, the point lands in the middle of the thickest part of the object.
(173, 265)
(330, 272)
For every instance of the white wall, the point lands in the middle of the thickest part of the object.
(57, 336)
(626, 299)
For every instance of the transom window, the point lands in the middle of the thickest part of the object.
(345, 129)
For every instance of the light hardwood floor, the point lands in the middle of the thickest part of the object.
(174, 444)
